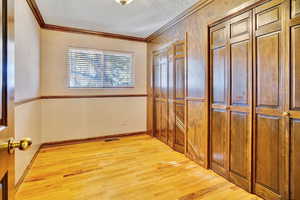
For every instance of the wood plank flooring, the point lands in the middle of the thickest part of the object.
(133, 168)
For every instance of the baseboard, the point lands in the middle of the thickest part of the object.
(22, 178)
(78, 141)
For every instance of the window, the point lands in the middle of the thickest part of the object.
(100, 69)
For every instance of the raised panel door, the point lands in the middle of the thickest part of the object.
(240, 100)
(219, 136)
(293, 97)
(179, 101)
(171, 96)
(270, 152)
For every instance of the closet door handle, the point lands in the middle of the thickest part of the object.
(285, 114)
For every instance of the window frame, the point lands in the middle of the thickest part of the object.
(67, 63)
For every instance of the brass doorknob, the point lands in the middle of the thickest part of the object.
(285, 114)
(13, 144)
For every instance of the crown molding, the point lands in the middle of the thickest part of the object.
(97, 33)
(37, 14)
(179, 18)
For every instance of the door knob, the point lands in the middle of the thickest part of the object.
(286, 114)
(13, 144)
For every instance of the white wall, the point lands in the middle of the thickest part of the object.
(28, 115)
(65, 119)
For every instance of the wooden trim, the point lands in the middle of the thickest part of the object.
(37, 14)
(18, 103)
(92, 96)
(246, 6)
(27, 101)
(90, 32)
(200, 99)
(179, 18)
(26, 171)
(93, 139)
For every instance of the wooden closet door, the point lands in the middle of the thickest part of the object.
(219, 139)
(157, 103)
(269, 163)
(240, 100)
(179, 102)
(293, 97)
(171, 96)
(164, 95)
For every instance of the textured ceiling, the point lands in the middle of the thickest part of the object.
(139, 18)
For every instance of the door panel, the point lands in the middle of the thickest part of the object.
(295, 8)
(267, 17)
(239, 73)
(180, 127)
(180, 78)
(268, 163)
(239, 28)
(171, 123)
(180, 112)
(295, 159)
(219, 75)
(218, 38)
(156, 68)
(197, 139)
(219, 141)
(179, 139)
(164, 122)
(295, 67)
(239, 147)
(157, 121)
(268, 70)
(164, 76)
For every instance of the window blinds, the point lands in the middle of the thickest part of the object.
(100, 69)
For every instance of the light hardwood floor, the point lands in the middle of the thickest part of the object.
(136, 167)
